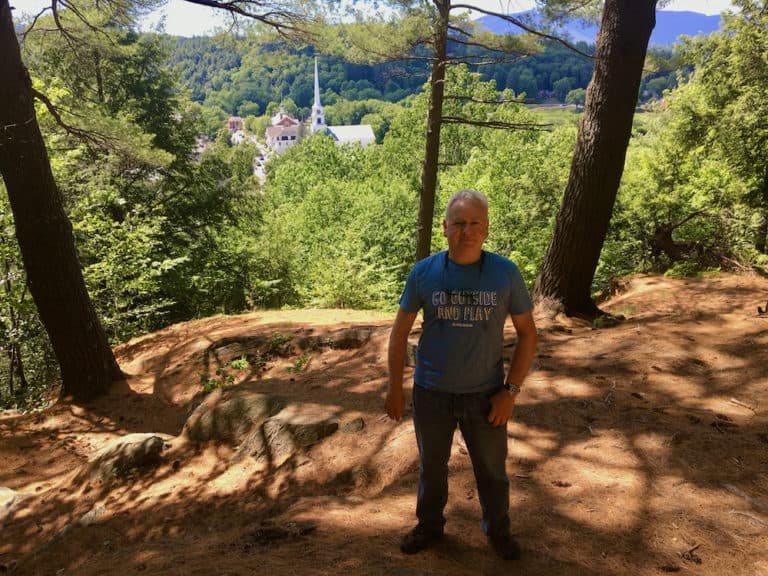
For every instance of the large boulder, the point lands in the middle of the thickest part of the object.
(124, 456)
(347, 339)
(259, 425)
(287, 433)
(230, 417)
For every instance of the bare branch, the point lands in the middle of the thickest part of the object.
(498, 124)
(688, 218)
(459, 30)
(520, 24)
(486, 47)
(71, 40)
(478, 101)
(92, 137)
(76, 11)
(281, 21)
(32, 24)
(468, 60)
(577, 6)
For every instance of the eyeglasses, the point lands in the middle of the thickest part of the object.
(471, 226)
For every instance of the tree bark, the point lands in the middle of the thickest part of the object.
(44, 233)
(598, 159)
(434, 124)
(761, 234)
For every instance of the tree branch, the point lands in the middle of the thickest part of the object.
(498, 124)
(459, 30)
(467, 60)
(93, 137)
(520, 24)
(486, 47)
(280, 20)
(32, 24)
(687, 219)
(478, 101)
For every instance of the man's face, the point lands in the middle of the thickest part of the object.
(466, 228)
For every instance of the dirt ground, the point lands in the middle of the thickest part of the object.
(636, 449)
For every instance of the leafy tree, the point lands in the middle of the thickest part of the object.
(562, 87)
(425, 31)
(28, 364)
(44, 233)
(576, 97)
(732, 75)
(43, 230)
(692, 190)
(336, 225)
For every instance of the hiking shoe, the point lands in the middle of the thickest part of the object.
(418, 539)
(505, 546)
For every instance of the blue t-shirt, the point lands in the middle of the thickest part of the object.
(461, 345)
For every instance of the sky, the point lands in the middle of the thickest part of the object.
(184, 19)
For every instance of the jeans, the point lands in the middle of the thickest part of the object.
(435, 416)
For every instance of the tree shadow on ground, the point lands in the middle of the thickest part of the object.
(642, 449)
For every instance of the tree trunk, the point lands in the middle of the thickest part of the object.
(598, 159)
(761, 234)
(434, 123)
(44, 233)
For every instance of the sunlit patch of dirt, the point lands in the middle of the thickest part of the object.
(637, 449)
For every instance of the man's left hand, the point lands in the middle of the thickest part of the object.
(502, 405)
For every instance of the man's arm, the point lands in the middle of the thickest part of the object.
(398, 343)
(503, 403)
(525, 349)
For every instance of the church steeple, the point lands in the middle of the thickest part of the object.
(318, 118)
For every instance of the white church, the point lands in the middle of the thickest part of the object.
(286, 130)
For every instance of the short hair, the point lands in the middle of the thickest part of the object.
(466, 194)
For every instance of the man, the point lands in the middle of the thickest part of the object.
(466, 294)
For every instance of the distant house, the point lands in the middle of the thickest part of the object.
(283, 119)
(235, 123)
(281, 137)
(237, 137)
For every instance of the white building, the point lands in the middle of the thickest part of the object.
(286, 131)
(361, 134)
(282, 136)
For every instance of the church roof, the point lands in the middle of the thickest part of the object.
(361, 133)
(287, 121)
(273, 131)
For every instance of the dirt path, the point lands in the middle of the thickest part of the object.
(639, 449)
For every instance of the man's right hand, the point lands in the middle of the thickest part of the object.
(394, 405)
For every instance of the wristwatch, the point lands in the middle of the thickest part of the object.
(514, 389)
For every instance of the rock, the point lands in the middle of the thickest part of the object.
(348, 339)
(280, 437)
(351, 339)
(228, 349)
(353, 426)
(8, 500)
(7, 497)
(230, 417)
(93, 515)
(122, 457)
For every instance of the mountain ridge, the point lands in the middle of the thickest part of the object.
(670, 25)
